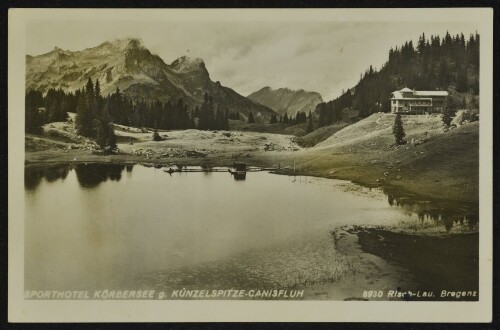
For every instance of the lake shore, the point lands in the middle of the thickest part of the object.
(404, 266)
(363, 153)
(364, 170)
(343, 168)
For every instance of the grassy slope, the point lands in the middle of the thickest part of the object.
(239, 125)
(443, 165)
(319, 135)
(297, 130)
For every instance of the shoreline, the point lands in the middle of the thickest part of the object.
(363, 153)
(404, 273)
(254, 159)
(346, 171)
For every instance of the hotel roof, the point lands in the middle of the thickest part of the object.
(399, 94)
(431, 93)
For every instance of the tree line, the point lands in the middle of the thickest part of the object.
(212, 117)
(435, 63)
(52, 107)
(299, 118)
(96, 113)
(92, 120)
(92, 116)
(168, 115)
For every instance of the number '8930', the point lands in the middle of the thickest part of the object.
(373, 294)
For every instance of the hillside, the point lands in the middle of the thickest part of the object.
(140, 75)
(313, 138)
(376, 132)
(449, 63)
(284, 100)
(435, 163)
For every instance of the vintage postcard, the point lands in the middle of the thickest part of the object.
(250, 165)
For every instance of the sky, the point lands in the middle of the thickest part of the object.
(321, 56)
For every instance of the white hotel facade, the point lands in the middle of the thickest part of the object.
(408, 101)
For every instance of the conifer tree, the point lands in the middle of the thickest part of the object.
(398, 130)
(225, 120)
(273, 119)
(462, 80)
(251, 119)
(89, 90)
(310, 127)
(205, 120)
(84, 111)
(104, 132)
(97, 89)
(218, 122)
(285, 118)
(33, 120)
(156, 136)
(448, 112)
(64, 108)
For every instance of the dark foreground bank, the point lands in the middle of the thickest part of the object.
(437, 263)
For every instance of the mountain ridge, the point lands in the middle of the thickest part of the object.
(285, 100)
(128, 65)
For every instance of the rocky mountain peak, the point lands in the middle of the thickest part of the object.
(126, 43)
(186, 63)
(59, 51)
(134, 43)
(120, 45)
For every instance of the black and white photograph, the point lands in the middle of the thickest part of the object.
(251, 156)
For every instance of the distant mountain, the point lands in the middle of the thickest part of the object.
(284, 100)
(126, 64)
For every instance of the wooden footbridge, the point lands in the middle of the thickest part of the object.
(237, 168)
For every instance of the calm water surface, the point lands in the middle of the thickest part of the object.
(101, 226)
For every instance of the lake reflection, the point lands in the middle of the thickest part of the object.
(439, 212)
(90, 176)
(34, 175)
(91, 226)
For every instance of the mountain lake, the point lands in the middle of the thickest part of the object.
(102, 226)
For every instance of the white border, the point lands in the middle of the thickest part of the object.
(21, 310)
